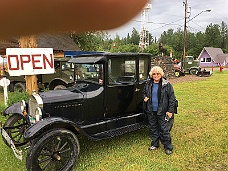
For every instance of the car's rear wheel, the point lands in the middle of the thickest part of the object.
(15, 126)
(193, 71)
(19, 87)
(60, 87)
(57, 149)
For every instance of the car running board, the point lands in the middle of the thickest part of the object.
(118, 131)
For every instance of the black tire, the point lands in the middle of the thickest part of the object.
(15, 126)
(60, 87)
(193, 71)
(58, 149)
(19, 87)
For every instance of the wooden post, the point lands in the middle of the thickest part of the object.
(31, 80)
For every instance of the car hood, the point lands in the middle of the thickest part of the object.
(68, 72)
(59, 95)
(67, 94)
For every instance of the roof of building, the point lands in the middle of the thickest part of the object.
(9, 43)
(56, 41)
(216, 54)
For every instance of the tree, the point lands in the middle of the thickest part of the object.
(92, 41)
(135, 37)
(212, 36)
(224, 36)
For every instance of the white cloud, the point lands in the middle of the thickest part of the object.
(170, 14)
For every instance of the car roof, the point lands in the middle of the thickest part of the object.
(88, 59)
(94, 58)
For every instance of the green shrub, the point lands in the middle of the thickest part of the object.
(17, 96)
(2, 107)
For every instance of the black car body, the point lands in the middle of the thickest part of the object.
(105, 101)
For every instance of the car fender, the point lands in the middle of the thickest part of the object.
(57, 80)
(14, 108)
(198, 68)
(51, 123)
(60, 79)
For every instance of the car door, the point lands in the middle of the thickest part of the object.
(127, 76)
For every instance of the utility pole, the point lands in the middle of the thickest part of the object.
(31, 80)
(185, 33)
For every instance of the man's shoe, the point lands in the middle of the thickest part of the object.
(152, 148)
(168, 152)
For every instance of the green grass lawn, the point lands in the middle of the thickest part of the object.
(199, 137)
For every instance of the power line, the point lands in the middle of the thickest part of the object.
(212, 11)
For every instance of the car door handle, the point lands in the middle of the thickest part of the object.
(137, 89)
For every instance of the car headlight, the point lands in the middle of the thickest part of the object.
(34, 102)
(38, 114)
(23, 106)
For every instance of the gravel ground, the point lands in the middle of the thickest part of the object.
(186, 78)
(189, 78)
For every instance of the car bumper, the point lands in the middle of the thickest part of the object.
(17, 153)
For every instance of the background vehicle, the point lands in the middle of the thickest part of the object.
(101, 105)
(190, 66)
(62, 78)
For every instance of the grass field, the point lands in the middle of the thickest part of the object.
(199, 137)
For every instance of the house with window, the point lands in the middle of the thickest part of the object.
(210, 56)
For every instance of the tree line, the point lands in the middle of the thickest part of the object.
(214, 36)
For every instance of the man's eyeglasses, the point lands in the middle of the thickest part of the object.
(156, 74)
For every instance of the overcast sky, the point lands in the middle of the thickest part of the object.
(166, 14)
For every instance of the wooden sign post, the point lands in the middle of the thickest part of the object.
(28, 60)
(31, 80)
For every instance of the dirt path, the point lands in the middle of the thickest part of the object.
(186, 78)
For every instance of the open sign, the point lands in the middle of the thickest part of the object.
(30, 61)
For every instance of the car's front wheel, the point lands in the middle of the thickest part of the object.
(15, 127)
(57, 149)
(193, 71)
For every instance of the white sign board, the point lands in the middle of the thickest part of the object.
(30, 61)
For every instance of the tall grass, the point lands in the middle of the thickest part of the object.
(199, 137)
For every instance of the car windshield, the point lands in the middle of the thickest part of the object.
(67, 66)
(89, 72)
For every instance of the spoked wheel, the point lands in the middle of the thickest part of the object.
(56, 150)
(15, 126)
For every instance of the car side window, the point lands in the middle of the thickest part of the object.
(89, 72)
(122, 71)
(143, 69)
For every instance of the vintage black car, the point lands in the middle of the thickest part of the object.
(106, 101)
